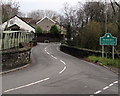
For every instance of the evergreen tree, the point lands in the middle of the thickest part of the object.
(54, 30)
(38, 29)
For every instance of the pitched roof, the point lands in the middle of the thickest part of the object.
(16, 24)
(46, 18)
(26, 19)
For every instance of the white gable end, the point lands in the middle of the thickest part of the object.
(20, 23)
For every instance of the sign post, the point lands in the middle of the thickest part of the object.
(113, 51)
(103, 51)
(108, 39)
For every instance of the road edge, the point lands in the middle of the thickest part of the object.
(15, 69)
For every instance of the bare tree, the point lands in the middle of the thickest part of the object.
(9, 9)
(37, 14)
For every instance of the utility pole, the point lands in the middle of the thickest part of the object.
(106, 8)
(106, 28)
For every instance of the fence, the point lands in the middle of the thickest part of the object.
(11, 39)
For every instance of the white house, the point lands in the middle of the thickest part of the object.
(17, 21)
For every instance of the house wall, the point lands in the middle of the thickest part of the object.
(20, 23)
(46, 24)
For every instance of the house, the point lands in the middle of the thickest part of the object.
(30, 21)
(46, 24)
(17, 23)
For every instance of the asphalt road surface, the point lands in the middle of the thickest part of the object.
(54, 72)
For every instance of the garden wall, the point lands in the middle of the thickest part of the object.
(15, 58)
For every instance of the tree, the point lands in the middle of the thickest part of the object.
(9, 9)
(91, 34)
(116, 10)
(38, 29)
(38, 14)
(94, 11)
(54, 30)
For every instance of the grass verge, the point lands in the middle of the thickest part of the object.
(105, 61)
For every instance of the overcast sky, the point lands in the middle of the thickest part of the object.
(55, 5)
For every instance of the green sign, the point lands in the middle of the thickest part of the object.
(108, 39)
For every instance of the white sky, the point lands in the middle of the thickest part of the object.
(55, 5)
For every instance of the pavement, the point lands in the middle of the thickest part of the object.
(54, 72)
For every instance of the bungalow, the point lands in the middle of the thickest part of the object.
(17, 23)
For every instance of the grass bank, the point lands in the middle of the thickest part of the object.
(105, 61)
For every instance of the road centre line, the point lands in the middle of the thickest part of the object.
(105, 88)
(33, 83)
(63, 62)
(63, 70)
(111, 84)
(54, 57)
(48, 53)
(60, 61)
(115, 82)
(98, 92)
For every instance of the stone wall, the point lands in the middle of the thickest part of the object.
(15, 58)
(82, 53)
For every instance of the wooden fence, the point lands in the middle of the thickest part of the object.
(11, 39)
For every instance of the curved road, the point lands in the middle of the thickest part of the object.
(54, 72)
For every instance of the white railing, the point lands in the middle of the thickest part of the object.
(11, 39)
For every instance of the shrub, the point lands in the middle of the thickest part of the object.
(38, 29)
(54, 30)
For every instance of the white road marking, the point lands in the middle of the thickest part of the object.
(63, 70)
(63, 62)
(48, 53)
(27, 85)
(115, 82)
(98, 92)
(56, 59)
(111, 84)
(105, 88)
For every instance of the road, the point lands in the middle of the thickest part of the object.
(54, 72)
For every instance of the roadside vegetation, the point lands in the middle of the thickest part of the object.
(87, 23)
(105, 61)
(38, 29)
(54, 30)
